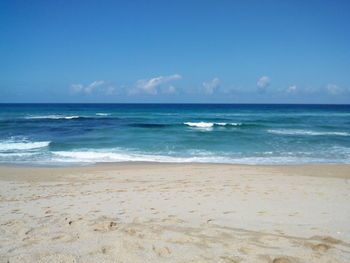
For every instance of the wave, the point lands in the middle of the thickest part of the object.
(148, 125)
(99, 156)
(53, 117)
(210, 124)
(4, 155)
(23, 145)
(91, 157)
(86, 156)
(73, 117)
(306, 132)
(103, 114)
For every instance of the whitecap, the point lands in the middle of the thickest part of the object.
(306, 132)
(53, 117)
(200, 124)
(103, 114)
(23, 145)
(18, 154)
(91, 156)
(109, 156)
(210, 124)
(71, 117)
(227, 124)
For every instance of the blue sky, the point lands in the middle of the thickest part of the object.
(175, 51)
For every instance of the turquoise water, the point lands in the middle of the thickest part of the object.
(71, 134)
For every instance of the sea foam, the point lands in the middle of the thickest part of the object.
(18, 154)
(90, 157)
(53, 117)
(210, 124)
(306, 132)
(110, 156)
(24, 145)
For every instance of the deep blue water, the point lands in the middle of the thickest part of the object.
(70, 134)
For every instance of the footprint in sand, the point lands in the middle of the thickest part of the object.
(161, 251)
(280, 231)
(132, 245)
(64, 238)
(228, 212)
(22, 231)
(105, 226)
(293, 214)
(321, 247)
(327, 239)
(139, 220)
(57, 258)
(13, 222)
(282, 260)
(230, 260)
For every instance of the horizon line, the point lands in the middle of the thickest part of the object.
(177, 103)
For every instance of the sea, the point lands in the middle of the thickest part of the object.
(86, 134)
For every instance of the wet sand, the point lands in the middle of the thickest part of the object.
(175, 213)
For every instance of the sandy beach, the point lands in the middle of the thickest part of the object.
(175, 213)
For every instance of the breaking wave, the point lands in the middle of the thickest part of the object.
(91, 157)
(210, 124)
(53, 117)
(306, 132)
(11, 145)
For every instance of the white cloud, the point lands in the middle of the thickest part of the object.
(77, 88)
(170, 90)
(333, 89)
(311, 90)
(230, 90)
(109, 90)
(150, 86)
(211, 86)
(263, 83)
(94, 85)
(291, 89)
(99, 85)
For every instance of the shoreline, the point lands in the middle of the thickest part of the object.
(315, 170)
(129, 213)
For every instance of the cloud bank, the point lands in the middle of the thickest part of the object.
(162, 88)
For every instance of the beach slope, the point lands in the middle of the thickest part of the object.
(175, 213)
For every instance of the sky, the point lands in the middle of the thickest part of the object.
(194, 51)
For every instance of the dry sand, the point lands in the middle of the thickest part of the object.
(175, 213)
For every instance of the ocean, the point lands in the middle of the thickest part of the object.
(83, 134)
